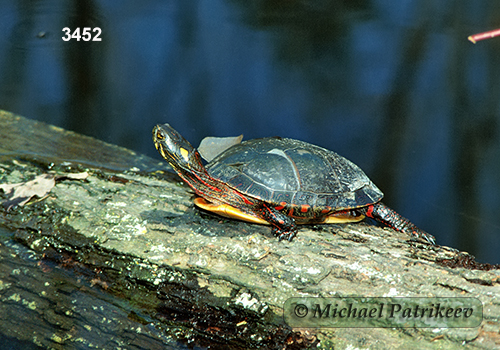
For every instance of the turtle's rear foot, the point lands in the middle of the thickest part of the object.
(422, 235)
(382, 213)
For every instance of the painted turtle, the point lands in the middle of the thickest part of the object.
(280, 182)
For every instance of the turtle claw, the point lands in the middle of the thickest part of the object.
(430, 238)
(283, 234)
(423, 236)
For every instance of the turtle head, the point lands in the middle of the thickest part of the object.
(176, 150)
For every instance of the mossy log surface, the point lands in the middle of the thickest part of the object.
(182, 277)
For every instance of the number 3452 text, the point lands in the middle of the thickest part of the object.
(85, 34)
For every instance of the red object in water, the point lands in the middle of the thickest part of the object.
(482, 36)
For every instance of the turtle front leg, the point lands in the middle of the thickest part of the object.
(283, 226)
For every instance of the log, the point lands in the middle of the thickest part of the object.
(123, 258)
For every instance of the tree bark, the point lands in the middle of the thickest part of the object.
(130, 232)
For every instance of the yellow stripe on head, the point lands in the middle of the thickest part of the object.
(185, 154)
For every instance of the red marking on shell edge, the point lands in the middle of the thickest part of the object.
(326, 210)
(369, 211)
(304, 208)
(279, 207)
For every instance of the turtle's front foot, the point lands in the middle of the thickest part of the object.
(284, 227)
(284, 234)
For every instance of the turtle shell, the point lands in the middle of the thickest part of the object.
(277, 170)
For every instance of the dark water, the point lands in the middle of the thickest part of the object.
(392, 85)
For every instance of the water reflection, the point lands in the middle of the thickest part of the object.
(395, 87)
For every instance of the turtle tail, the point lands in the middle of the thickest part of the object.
(382, 213)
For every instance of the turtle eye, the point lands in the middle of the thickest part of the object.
(159, 136)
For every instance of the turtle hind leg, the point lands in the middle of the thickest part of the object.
(382, 213)
(283, 226)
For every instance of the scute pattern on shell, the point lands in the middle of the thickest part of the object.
(279, 170)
